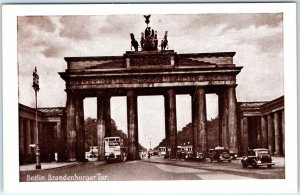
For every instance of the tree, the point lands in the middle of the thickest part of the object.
(185, 135)
(91, 133)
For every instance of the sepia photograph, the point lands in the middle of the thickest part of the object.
(177, 96)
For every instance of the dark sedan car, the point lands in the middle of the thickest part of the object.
(219, 154)
(258, 157)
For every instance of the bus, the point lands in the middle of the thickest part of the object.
(114, 149)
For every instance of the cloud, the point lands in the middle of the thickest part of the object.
(77, 27)
(41, 22)
(233, 21)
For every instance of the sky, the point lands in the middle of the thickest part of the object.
(44, 41)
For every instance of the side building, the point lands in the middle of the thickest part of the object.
(51, 125)
(262, 126)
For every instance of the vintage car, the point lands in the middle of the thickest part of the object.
(258, 157)
(188, 155)
(200, 156)
(219, 154)
(233, 155)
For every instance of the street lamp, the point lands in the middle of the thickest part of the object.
(36, 88)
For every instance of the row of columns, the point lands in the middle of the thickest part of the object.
(27, 135)
(48, 145)
(270, 133)
(228, 122)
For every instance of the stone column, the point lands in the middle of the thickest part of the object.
(42, 143)
(21, 137)
(232, 120)
(264, 132)
(199, 122)
(221, 110)
(132, 120)
(270, 134)
(100, 127)
(59, 145)
(171, 120)
(28, 137)
(195, 143)
(283, 132)
(244, 133)
(277, 134)
(259, 133)
(79, 113)
(71, 131)
(107, 116)
(223, 123)
(33, 136)
(167, 126)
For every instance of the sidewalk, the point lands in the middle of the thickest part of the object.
(50, 165)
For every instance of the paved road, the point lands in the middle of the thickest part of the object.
(150, 170)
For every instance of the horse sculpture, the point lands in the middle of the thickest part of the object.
(164, 42)
(134, 42)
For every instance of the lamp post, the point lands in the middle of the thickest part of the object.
(36, 88)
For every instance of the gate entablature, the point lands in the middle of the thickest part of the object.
(150, 69)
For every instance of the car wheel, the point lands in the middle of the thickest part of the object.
(269, 166)
(245, 165)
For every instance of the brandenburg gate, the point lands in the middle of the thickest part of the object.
(151, 72)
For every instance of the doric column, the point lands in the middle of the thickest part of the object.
(167, 126)
(270, 134)
(244, 133)
(79, 116)
(33, 135)
(71, 131)
(171, 120)
(223, 120)
(232, 120)
(100, 127)
(199, 123)
(264, 132)
(21, 137)
(132, 120)
(221, 110)
(195, 144)
(28, 136)
(42, 142)
(283, 132)
(107, 116)
(59, 146)
(277, 134)
(259, 133)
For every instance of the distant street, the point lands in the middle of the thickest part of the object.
(154, 169)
